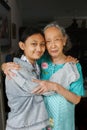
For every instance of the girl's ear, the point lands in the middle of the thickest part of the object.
(21, 45)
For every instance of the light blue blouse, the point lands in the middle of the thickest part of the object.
(61, 111)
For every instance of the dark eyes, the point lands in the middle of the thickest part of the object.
(58, 39)
(55, 40)
(36, 44)
(42, 44)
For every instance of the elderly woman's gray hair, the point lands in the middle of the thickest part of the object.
(68, 45)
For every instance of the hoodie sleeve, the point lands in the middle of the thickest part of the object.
(27, 84)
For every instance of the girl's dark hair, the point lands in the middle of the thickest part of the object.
(30, 31)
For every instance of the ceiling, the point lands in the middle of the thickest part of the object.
(48, 10)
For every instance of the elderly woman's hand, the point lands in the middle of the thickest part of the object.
(44, 86)
(7, 67)
(71, 59)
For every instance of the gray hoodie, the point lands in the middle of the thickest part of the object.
(27, 110)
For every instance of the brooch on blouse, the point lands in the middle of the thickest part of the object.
(44, 65)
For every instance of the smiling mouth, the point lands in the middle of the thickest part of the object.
(54, 51)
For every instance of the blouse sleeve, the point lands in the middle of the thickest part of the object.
(77, 87)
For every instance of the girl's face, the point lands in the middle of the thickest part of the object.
(33, 47)
(55, 41)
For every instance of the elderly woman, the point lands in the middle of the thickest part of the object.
(61, 105)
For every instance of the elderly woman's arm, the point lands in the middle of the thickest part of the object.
(45, 86)
(67, 94)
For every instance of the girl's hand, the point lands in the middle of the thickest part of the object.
(72, 59)
(6, 68)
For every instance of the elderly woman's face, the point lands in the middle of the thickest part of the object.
(55, 41)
